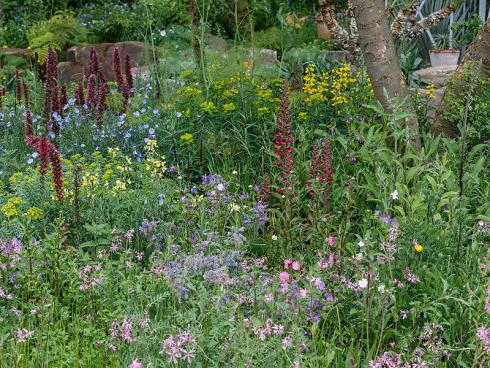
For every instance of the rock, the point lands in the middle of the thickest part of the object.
(25, 54)
(322, 32)
(263, 56)
(433, 103)
(438, 75)
(78, 57)
(69, 71)
(216, 42)
(333, 56)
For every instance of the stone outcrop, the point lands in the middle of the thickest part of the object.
(439, 76)
(78, 57)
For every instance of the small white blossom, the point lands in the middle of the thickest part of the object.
(363, 283)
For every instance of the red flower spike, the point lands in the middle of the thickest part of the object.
(129, 76)
(284, 143)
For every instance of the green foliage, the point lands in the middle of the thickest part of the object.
(59, 32)
(478, 129)
(279, 39)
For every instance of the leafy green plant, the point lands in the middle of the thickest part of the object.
(59, 32)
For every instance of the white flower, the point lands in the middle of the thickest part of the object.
(163, 33)
(234, 207)
(274, 237)
(234, 172)
(178, 114)
(361, 244)
(220, 187)
(363, 283)
(358, 256)
(394, 195)
(381, 288)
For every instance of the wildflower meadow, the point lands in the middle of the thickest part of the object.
(211, 208)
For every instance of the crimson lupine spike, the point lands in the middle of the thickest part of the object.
(55, 102)
(129, 76)
(126, 94)
(47, 153)
(55, 159)
(18, 86)
(29, 124)
(116, 68)
(284, 143)
(265, 192)
(102, 95)
(79, 94)
(92, 91)
(2, 93)
(93, 63)
(25, 90)
(51, 68)
(326, 172)
(43, 154)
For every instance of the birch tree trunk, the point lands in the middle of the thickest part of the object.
(382, 63)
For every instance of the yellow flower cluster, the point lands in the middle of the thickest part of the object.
(265, 94)
(229, 107)
(34, 213)
(154, 165)
(208, 107)
(11, 209)
(230, 93)
(189, 91)
(430, 91)
(315, 87)
(333, 86)
(186, 137)
(342, 79)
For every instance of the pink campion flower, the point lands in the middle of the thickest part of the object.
(127, 327)
(284, 276)
(331, 240)
(398, 284)
(178, 347)
(136, 364)
(410, 277)
(303, 293)
(278, 330)
(5, 295)
(296, 266)
(388, 359)
(246, 322)
(129, 234)
(287, 263)
(114, 330)
(145, 321)
(483, 334)
(287, 342)
(23, 334)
